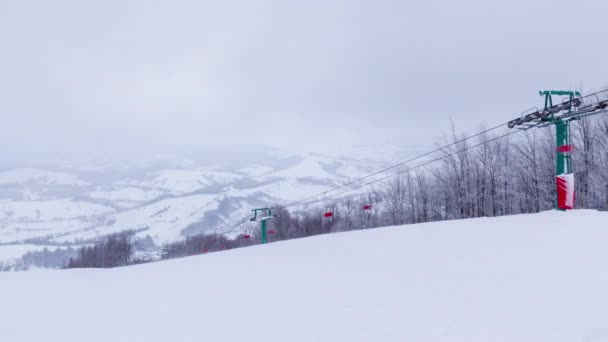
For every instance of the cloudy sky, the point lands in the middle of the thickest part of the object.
(87, 77)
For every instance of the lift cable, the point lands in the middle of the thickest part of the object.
(306, 199)
(236, 228)
(409, 169)
(298, 202)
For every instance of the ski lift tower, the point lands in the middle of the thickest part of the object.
(560, 115)
(262, 215)
(564, 177)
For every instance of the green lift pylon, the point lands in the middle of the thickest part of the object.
(560, 115)
(563, 166)
(263, 215)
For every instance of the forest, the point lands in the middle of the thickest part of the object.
(491, 175)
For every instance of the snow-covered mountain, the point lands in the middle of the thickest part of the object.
(165, 201)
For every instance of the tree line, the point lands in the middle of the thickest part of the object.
(113, 251)
(513, 175)
(508, 176)
(201, 243)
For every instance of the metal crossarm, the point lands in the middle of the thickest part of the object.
(262, 215)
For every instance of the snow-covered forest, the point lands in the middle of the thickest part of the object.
(486, 177)
(506, 176)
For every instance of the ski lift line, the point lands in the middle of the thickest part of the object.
(413, 168)
(297, 203)
(237, 228)
(396, 165)
(234, 228)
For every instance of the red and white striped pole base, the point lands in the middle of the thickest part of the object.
(565, 191)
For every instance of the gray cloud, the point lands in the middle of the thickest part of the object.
(143, 75)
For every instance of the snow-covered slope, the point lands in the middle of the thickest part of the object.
(162, 220)
(183, 181)
(27, 211)
(121, 194)
(528, 278)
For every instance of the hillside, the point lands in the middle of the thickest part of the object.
(165, 201)
(520, 278)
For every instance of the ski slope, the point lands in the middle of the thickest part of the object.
(522, 278)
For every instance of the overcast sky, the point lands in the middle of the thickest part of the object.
(87, 77)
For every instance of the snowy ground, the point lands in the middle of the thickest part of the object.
(523, 278)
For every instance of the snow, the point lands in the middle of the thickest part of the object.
(27, 211)
(181, 181)
(21, 220)
(307, 167)
(327, 168)
(285, 190)
(256, 170)
(46, 204)
(19, 231)
(163, 220)
(25, 175)
(126, 194)
(528, 278)
(351, 171)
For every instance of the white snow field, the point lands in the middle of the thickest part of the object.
(541, 277)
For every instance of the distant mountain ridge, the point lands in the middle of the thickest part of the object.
(45, 206)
